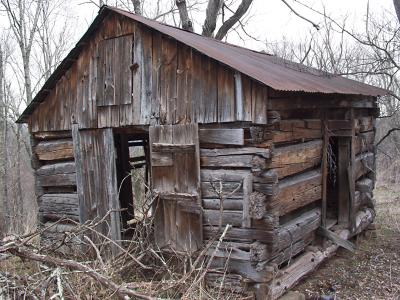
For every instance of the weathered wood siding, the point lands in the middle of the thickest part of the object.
(96, 177)
(131, 75)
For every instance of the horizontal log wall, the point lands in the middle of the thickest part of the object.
(259, 181)
(55, 176)
(284, 206)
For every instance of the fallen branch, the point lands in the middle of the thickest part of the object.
(24, 252)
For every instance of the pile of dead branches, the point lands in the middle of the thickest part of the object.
(80, 264)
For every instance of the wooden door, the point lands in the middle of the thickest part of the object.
(175, 172)
(97, 179)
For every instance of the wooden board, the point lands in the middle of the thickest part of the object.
(244, 157)
(95, 160)
(343, 162)
(222, 136)
(178, 220)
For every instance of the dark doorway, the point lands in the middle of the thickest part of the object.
(332, 180)
(132, 176)
(338, 190)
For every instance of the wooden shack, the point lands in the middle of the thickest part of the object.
(281, 152)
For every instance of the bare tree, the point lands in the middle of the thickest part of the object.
(23, 17)
(3, 202)
(53, 36)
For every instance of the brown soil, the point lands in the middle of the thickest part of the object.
(373, 271)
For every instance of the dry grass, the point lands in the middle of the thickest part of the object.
(373, 272)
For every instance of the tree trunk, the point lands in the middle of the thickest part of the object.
(27, 75)
(2, 147)
(137, 7)
(20, 200)
(213, 8)
(184, 15)
(396, 4)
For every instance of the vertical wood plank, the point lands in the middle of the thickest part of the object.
(156, 105)
(187, 64)
(259, 103)
(239, 101)
(324, 166)
(247, 94)
(344, 144)
(110, 93)
(226, 94)
(124, 79)
(97, 179)
(92, 89)
(146, 75)
(137, 75)
(144, 36)
(168, 79)
(79, 174)
(110, 175)
(350, 172)
(210, 91)
(247, 190)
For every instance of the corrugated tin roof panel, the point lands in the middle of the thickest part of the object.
(277, 73)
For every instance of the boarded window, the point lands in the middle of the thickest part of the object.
(114, 71)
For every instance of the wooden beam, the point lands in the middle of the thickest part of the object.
(222, 136)
(300, 267)
(350, 170)
(299, 190)
(292, 159)
(344, 145)
(336, 239)
(324, 166)
(57, 206)
(55, 150)
(298, 228)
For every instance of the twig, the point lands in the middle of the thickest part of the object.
(386, 135)
(316, 26)
(24, 252)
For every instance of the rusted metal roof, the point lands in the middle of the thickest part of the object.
(275, 72)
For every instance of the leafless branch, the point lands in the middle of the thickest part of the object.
(389, 132)
(316, 26)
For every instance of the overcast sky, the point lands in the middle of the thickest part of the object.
(271, 19)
